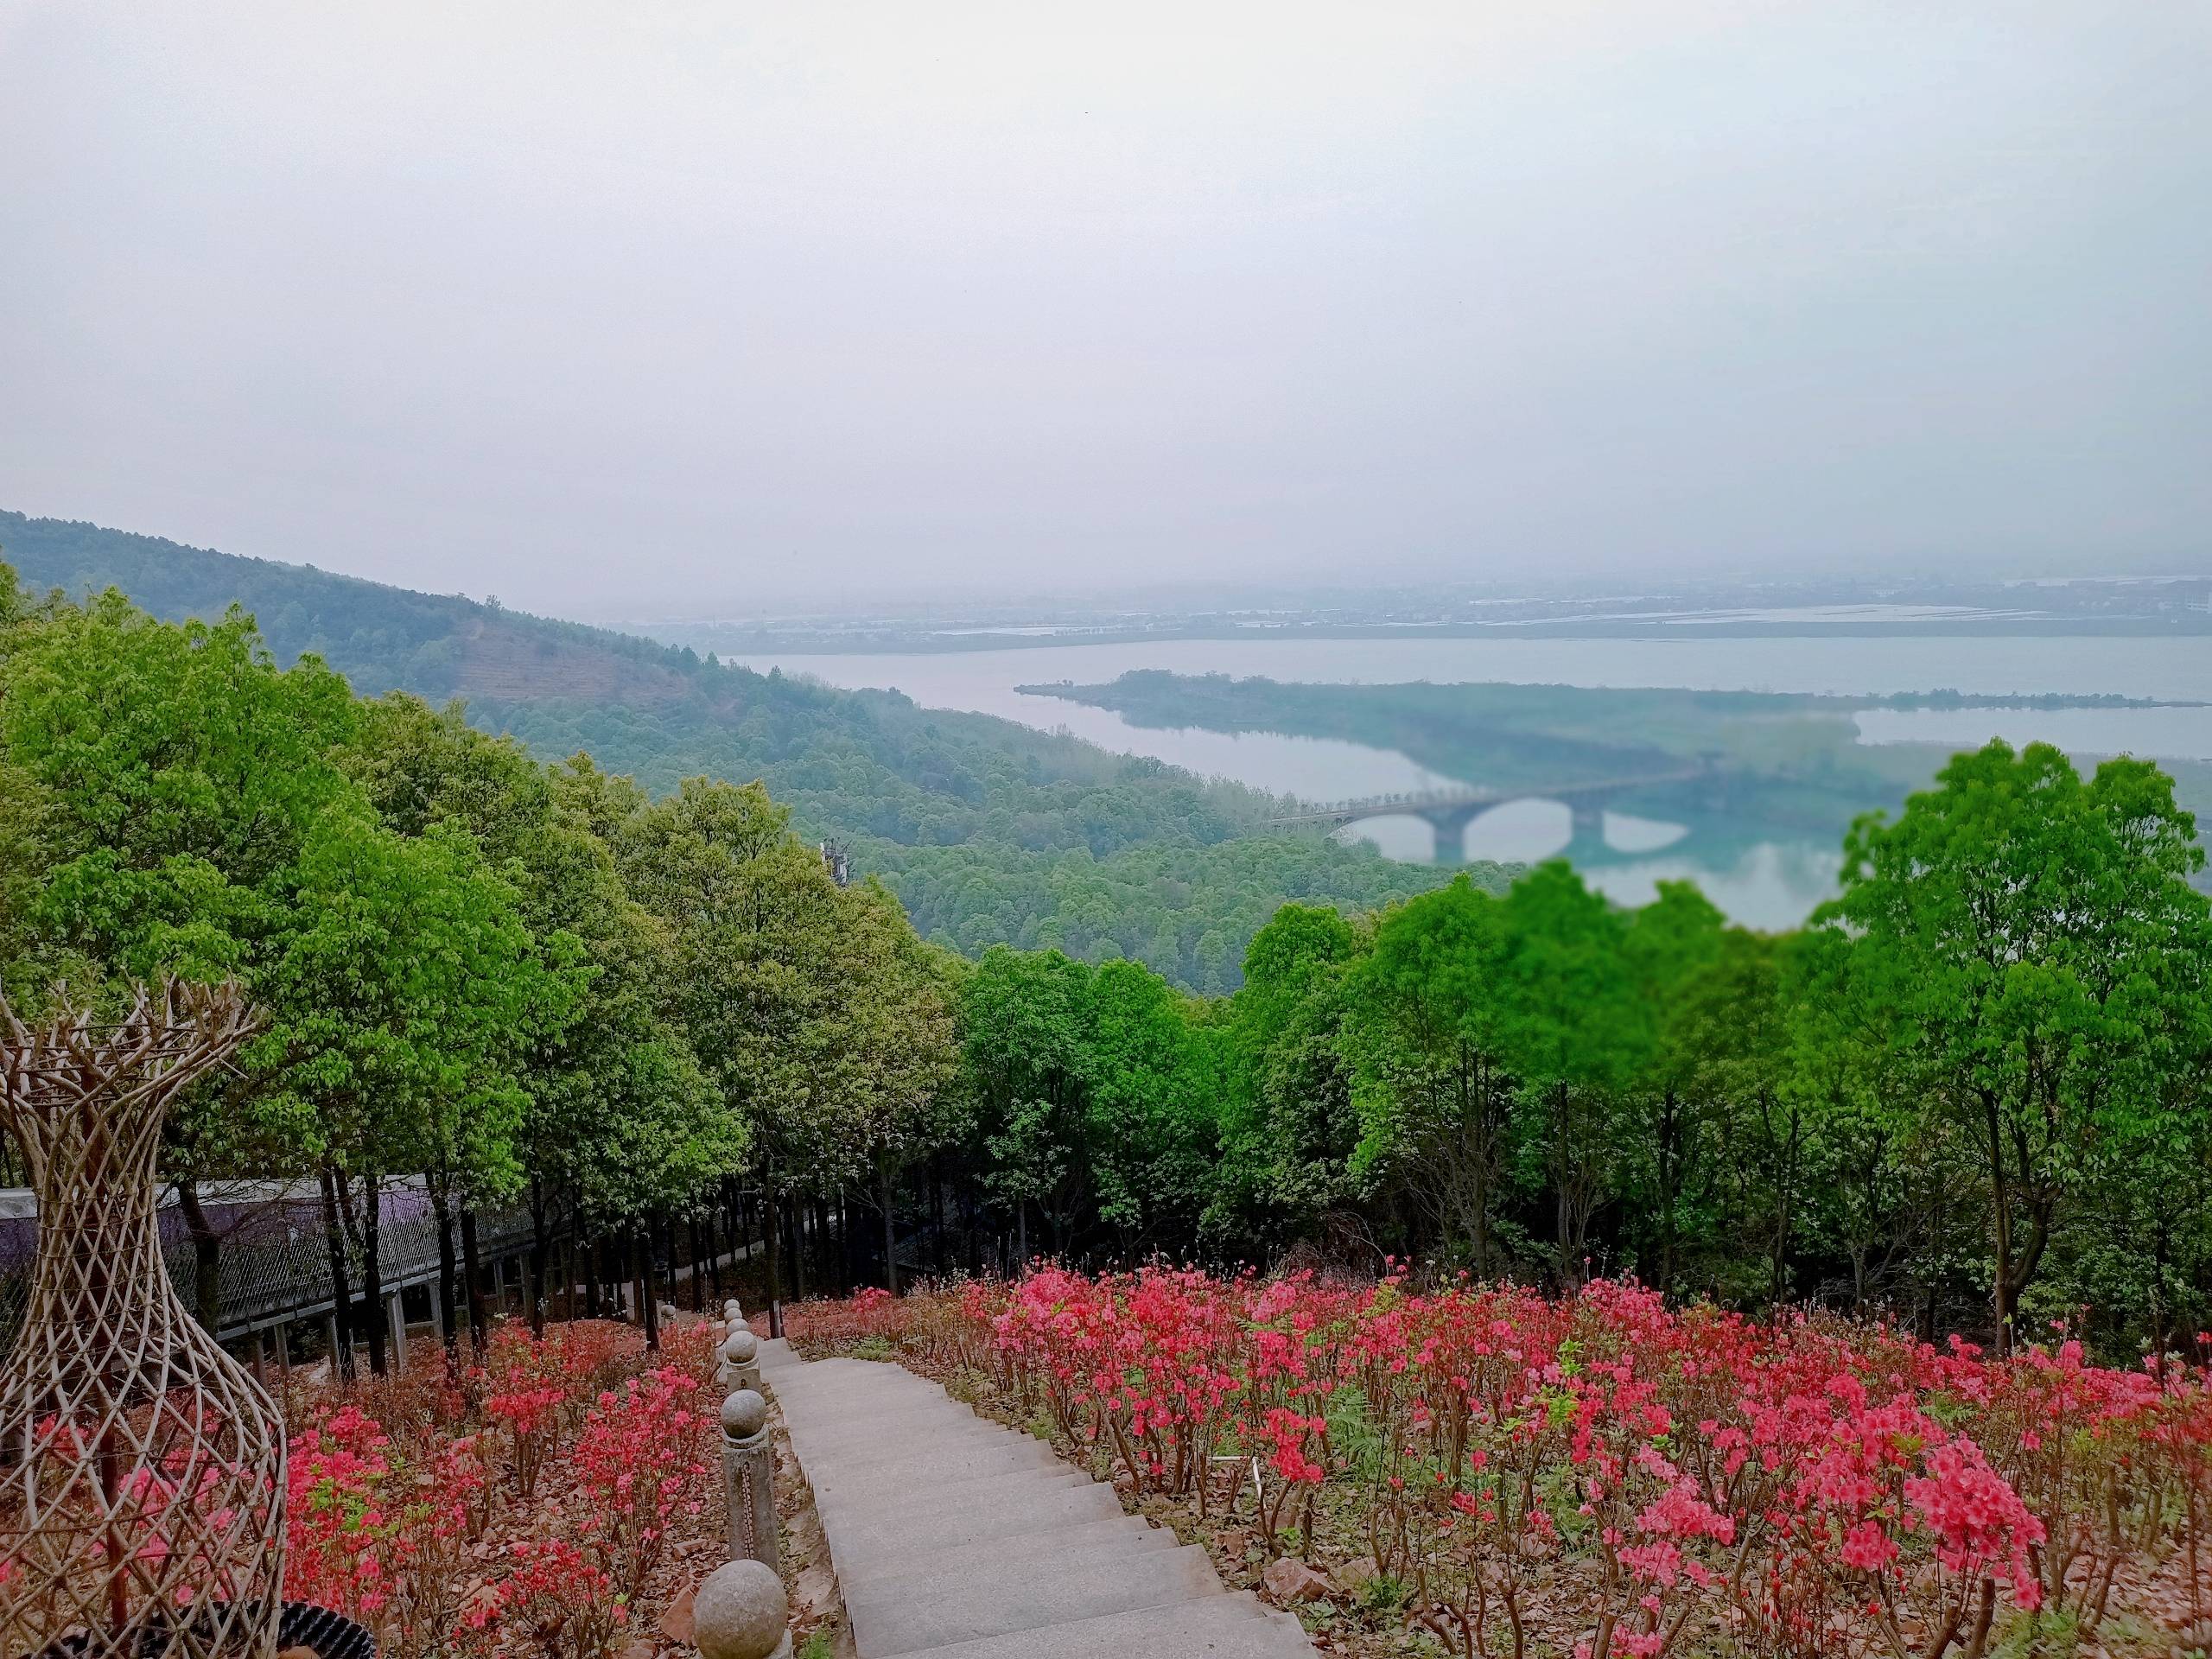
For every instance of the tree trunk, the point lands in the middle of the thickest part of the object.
(796, 1209)
(372, 1271)
(447, 1289)
(975, 1229)
(698, 1265)
(472, 1269)
(713, 1253)
(207, 1258)
(936, 1211)
(1669, 1108)
(775, 1270)
(2001, 1222)
(341, 1299)
(890, 1229)
(1570, 1270)
(541, 1253)
(649, 1292)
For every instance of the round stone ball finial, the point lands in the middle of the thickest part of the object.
(745, 1413)
(732, 1313)
(739, 1612)
(742, 1348)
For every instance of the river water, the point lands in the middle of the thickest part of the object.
(1769, 885)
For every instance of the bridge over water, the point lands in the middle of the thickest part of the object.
(1449, 811)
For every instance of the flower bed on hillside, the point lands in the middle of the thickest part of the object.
(545, 1503)
(1488, 1472)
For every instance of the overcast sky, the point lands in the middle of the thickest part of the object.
(639, 309)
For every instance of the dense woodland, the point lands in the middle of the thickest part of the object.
(1972, 1092)
(987, 831)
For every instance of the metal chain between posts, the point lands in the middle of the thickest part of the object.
(142, 1469)
(749, 1480)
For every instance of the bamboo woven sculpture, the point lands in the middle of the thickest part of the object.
(142, 1469)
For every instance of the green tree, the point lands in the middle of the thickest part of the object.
(753, 920)
(1289, 1126)
(1573, 1031)
(1436, 1092)
(1674, 948)
(197, 820)
(2036, 958)
(1151, 1124)
(1022, 1020)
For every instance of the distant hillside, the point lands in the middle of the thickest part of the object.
(986, 829)
(434, 645)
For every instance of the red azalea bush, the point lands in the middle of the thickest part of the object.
(554, 1601)
(1636, 1479)
(641, 1461)
(431, 1531)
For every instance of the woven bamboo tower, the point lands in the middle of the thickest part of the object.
(142, 1469)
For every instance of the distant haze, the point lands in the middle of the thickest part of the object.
(697, 307)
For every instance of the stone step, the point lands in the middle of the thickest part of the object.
(838, 1420)
(827, 1405)
(862, 1543)
(923, 1558)
(983, 1495)
(926, 1466)
(932, 1611)
(1214, 1627)
(839, 1447)
(955, 1537)
(898, 1433)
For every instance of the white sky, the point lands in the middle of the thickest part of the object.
(642, 308)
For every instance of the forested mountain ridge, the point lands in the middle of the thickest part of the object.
(988, 831)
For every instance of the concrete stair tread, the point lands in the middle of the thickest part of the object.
(989, 1496)
(830, 1433)
(991, 1600)
(956, 1537)
(975, 1568)
(932, 1468)
(1044, 1542)
(862, 1546)
(888, 1422)
(1216, 1627)
(874, 1407)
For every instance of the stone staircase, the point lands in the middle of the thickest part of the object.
(956, 1538)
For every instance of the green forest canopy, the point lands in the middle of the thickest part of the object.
(1974, 1089)
(987, 831)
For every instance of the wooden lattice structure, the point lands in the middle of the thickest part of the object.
(142, 1469)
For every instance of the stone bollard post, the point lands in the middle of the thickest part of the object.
(733, 1315)
(741, 1612)
(740, 1367)
(749, 1478)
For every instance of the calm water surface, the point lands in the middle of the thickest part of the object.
(1771, 885)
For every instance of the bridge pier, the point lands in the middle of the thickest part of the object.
(1587, 834)
(1449, 825)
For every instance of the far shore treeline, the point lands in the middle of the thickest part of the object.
(1972, 1092)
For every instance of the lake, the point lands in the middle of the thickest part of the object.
(1769, 885)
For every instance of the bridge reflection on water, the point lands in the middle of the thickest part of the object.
(1449, 813)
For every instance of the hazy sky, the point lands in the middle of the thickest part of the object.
(655, 308)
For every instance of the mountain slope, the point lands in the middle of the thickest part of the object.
(985, 829)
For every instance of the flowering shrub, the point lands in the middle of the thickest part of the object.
(553, 1600)
(640, 1462)
(338, 1528)
(411, 1530)
(1650, 1480)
